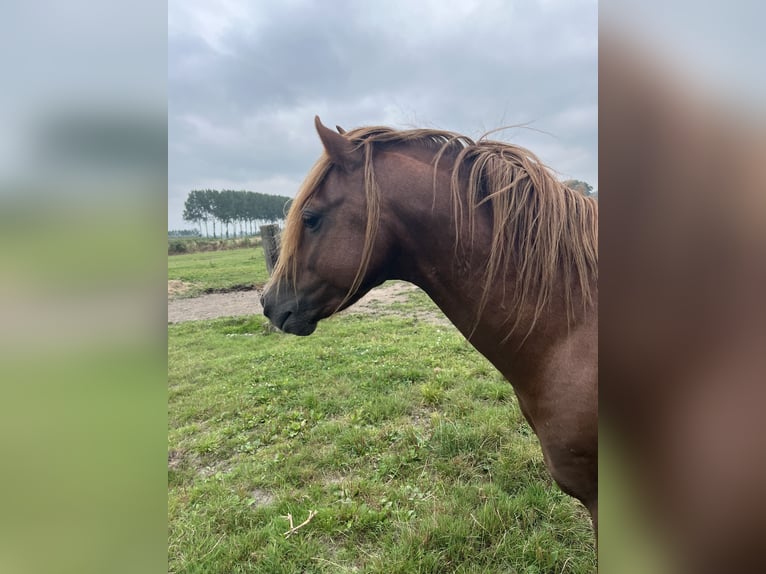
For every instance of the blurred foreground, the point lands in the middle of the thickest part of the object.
(82, 253)
(683, 328)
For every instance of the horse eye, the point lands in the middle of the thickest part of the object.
(311, 220)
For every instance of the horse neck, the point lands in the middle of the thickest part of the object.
(452, 272)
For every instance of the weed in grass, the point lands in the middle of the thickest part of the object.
(432, 393)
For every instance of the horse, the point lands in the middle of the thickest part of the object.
(507, 252)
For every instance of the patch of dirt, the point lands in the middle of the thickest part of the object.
(175, 458)
(334, 479)
(176, 287)
(206, 471)
(178, 459)
(215, 305)
(241, 303)
(260, 498)
(382, 296)
(377, 303)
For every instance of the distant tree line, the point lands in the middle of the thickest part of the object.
(231, 209)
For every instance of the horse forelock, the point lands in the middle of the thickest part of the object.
(290, 238)
(547, 230)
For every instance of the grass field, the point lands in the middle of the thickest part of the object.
(195, 244)
(218, 270)
(406, 443)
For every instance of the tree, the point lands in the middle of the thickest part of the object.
(192, 208)
(203, 200)
(579, 186)
(222, 209)
(209, 203)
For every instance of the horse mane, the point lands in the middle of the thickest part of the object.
(547, 229)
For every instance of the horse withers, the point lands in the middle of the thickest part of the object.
(507, 252)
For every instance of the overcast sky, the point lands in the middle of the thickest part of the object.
(245, 80)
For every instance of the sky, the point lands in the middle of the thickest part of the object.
(245, 80)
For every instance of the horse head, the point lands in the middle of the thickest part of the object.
(331, 251)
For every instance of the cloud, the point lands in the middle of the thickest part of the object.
(246, 79)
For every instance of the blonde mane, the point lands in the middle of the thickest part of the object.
(547, 229)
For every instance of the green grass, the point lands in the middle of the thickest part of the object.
(408, 445)
(219, 270)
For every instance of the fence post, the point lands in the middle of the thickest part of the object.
(270, 242)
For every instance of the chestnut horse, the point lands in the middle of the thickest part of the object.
(507, 252)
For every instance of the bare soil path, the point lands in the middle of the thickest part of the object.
(239, 303)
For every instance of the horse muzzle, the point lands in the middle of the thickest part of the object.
(285, 314)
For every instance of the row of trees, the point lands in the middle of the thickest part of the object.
(231, 209)
(248, 209)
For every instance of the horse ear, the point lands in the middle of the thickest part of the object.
(341, 131)
(340, 149)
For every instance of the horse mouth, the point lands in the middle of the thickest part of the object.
(288, 315)
(295, 325)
